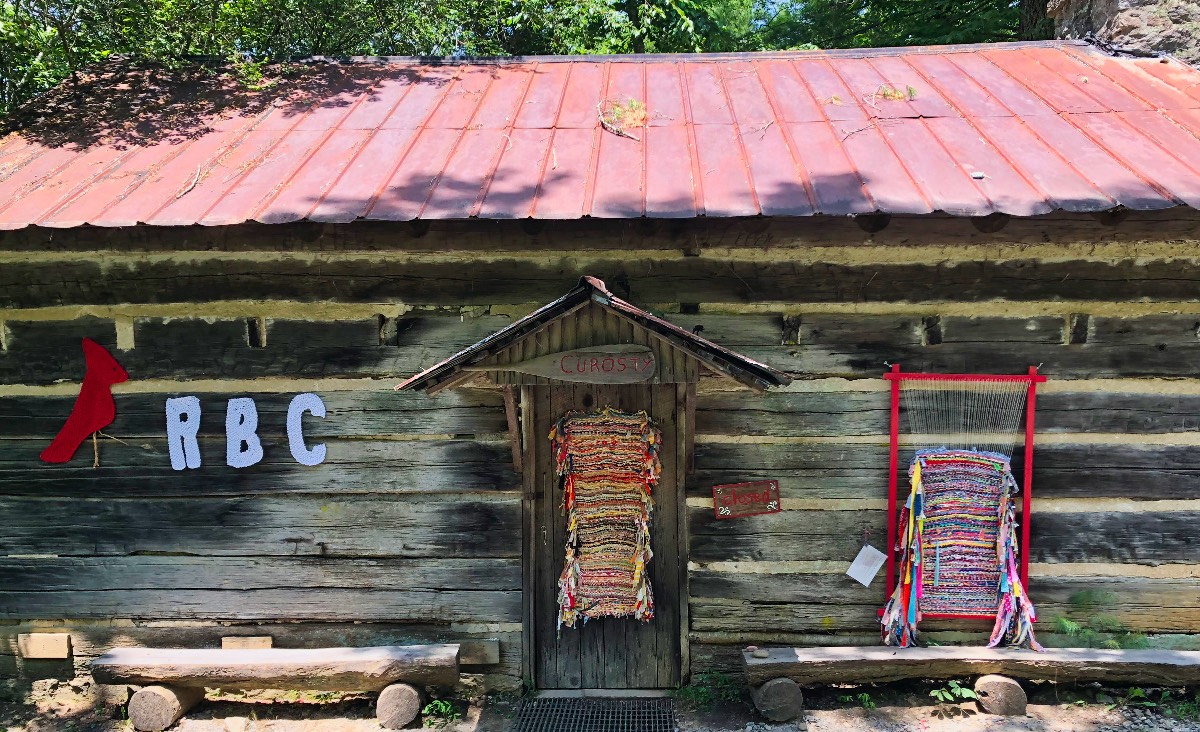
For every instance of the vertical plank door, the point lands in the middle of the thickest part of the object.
(605, 653)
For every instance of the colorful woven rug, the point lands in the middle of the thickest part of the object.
(959, 548)
(608, 461)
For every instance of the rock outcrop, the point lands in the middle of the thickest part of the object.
(1141, 26)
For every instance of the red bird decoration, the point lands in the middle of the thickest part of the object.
(94, 407)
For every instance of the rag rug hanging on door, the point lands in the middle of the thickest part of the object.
(608, 461)
(958, 544)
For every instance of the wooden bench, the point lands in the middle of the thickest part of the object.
(776, 675)
(176, 677)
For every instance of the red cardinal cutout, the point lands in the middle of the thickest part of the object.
(94, 407)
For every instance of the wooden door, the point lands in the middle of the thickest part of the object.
(606, 653)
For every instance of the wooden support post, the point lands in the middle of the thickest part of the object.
(155, 708)
(398, 705)
(779, 700)
(514, 431)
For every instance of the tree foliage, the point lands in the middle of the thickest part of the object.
(45, 41)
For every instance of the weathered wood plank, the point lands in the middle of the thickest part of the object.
(47, 351)
(141, 467)
(348, 413)
(799, 535)
(338, 669)
(834, 413)
(1064, 470)
(94, 638)
(786, 536)
(754, 232)
(800, 603)
(519, 279)
(1115, 537)
(277, 604)
(83, 574)
(292, 525)
(807, 666)
(41, 352)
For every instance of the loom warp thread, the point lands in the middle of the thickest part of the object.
(958, 545)
(609, 462)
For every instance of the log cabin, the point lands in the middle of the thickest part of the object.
(778, 229)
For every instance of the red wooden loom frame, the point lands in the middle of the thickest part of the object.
(1033, 378)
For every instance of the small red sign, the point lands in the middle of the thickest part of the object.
(746, 499)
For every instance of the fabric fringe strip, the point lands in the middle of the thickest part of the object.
(958, 544)
(608, 461)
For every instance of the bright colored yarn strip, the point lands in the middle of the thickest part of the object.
(608, 461)
(959, 549)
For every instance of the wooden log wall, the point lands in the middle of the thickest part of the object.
(410, 530)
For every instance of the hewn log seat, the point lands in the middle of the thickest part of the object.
(173, 675)
(860, 665)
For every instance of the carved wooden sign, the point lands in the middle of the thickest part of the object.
(746, 499)
(618, 364)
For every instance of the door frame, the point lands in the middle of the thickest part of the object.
(532, 450)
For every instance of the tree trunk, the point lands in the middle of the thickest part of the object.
(1034, 25)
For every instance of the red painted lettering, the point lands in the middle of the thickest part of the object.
(595, 365)
(621, 364)
(562, 366)
(607, 364)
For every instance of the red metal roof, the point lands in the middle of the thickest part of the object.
(1021, 129)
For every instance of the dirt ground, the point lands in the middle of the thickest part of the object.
(79, 706)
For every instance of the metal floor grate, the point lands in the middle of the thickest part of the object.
(596, 715)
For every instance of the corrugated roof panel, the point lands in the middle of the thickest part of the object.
(498, 110)
(1005, 188)
(706, 101)
(409, 188)
(1060, 185)
(268, 177)
(1089, 81)
(459, 185)
(1059, 93)
(1132, 79)
(581, 98)
(617, 192)
(835, 99)
(942, 176)
(429, 86)
(1173, 73)
(43, 199)
(664, 95)
(724, 184)
(1110, 175)
(791, 97)
(351, 195)
(1055, 125)
(778, 182)
(565, 177)
(462, 98)
(110, 189)
(888, 182)
(301, 194)
(27, 178)
(544, 98)
(515, 182)
(1130, 146)
(836, 182)
(670, 185)
(748, 100)
(177, 176)
(1007, 90)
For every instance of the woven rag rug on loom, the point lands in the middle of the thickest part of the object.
(958, 544)
(609, 462)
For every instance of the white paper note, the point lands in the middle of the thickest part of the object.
(866, 565)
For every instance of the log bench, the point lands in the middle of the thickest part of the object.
(776, 675)
(174, 678)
